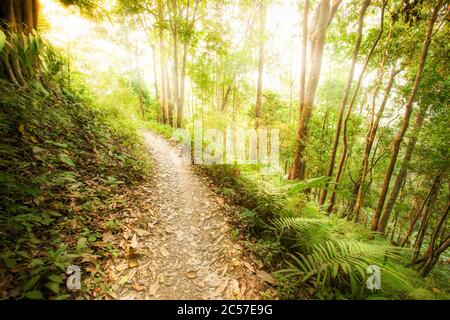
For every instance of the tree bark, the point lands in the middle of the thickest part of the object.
(408, 109)
(369, 143)
(155, 72)
(401, 176)
(416, 217)
(190, 26)
(298, 168)
(28, 15)
(164, 102)
(259, 89)
(431, 251)
(36, 8)
(295, 169)
(18, 12)
(430, 262)
(424, 223)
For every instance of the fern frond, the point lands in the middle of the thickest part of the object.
(297, 223)
(341, 257)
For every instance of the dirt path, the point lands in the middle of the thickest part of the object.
(182, 248)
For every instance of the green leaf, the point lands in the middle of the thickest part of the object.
(36, 295)
(37, 262)
(306, 184)
(30, 284)
(2, 40)
(60, 250)
(66, 159)
(53, 286)
(55, 278)
(81, 243)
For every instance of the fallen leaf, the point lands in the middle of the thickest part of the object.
(138, 287)
(249, 266)
(222, 287)
(153, 288)
(164, 251)
(123, 280)
(192, 274)
(267, 277)
(141, 232)
(90, 268)
(133, 262)
(108, 237)
(134, 242)
(121, 267)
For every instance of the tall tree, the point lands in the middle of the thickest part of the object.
(362, 12)
(259, 89)
(408, 110)
(318, 36)
(162, 62)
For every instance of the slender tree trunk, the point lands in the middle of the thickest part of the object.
(155, 73)
(401, 176)
(164, 102)
(431, 261)
(415, 218)
(184, 62)
(431, 251)
(424, 223)
(225, 98)
(295, 171)
(259, 90)
(408, 109)
(362, 12)
(349, 111)
(369, 142)
(170, 95)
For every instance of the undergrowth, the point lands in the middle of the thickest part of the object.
(66, 156)
(313, 255)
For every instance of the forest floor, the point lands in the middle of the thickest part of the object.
(181, 246)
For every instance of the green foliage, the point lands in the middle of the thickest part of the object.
(63, 160)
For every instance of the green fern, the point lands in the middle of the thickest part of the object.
(297, 223)
(334, 259)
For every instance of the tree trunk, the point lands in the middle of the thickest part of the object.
(408, 109)
(431, 251)
(350, 108)
(401, 176)
(424, 223)
(28, 15)
(369, 143)
(184, 62)
(364, 5)
(298, 168)
(295, 169)
(225, 99)
(155, 73)
(164, 102)
(18, 12)
(415, 218)
(259, 89)
(170, 96)
(36, 8)
(431, 261)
